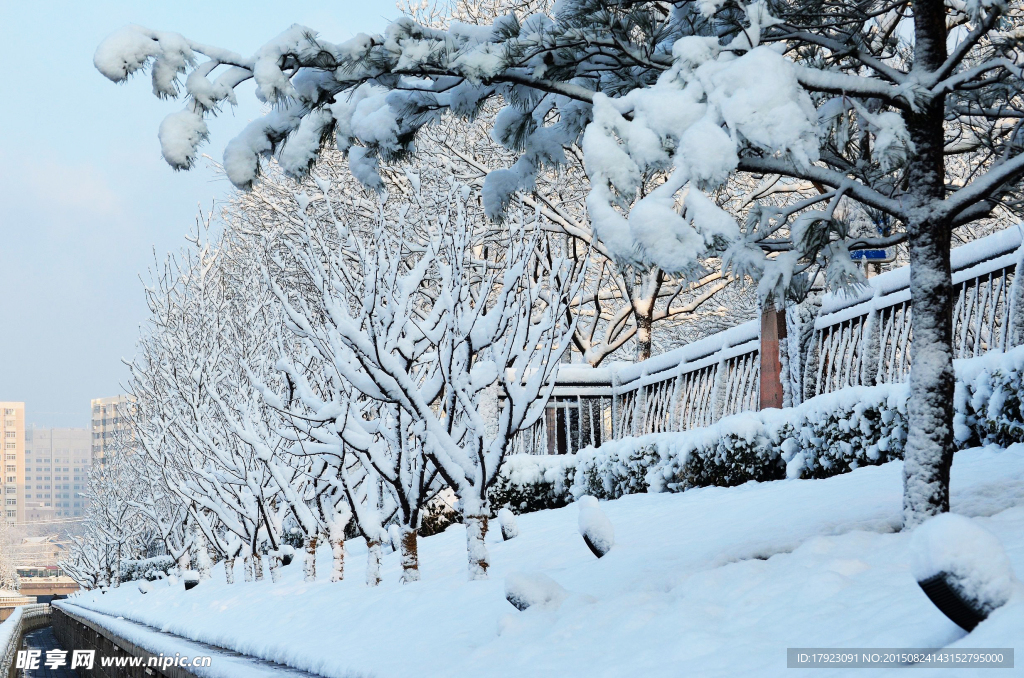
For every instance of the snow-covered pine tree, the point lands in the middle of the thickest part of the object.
(907, 112)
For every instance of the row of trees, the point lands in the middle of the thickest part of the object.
(9, 580)
(324, 367)
(771, 138)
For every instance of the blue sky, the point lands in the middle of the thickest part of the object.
(86, 199)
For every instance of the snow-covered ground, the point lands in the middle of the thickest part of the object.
(710, 582)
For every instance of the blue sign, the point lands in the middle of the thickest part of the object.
(868, 255)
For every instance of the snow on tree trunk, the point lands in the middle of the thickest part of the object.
(275, 566)
(184, 562)
(928, 455)
(203, 562)
(309, 563)
(643, 333)
(929, 450)
(337, 539)
(476, 548)
(373, 556)
(410, 555)
(229, 570)
(257, 565)
(247, 563)
(336, 536)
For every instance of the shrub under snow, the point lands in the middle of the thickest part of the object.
(824, 436)
(509, 527)
(149, 569)
(528, 483)
(989, 409)
(525, 590)
(972, 558)
(595, 528)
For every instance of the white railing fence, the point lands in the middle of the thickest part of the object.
(859, 339)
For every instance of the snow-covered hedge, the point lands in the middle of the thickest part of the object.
(830, 434)
(824, 436)
(989, 408)
(148, 569)
(529, 482)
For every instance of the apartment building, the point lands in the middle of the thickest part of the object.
(109, 422)
(12, 439)
(57, 462)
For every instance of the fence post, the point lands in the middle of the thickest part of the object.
(773, 333)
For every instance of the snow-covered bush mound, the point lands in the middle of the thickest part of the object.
(595, 528)
(973, 559)
(831, 434)
(509, 526)
(525, 590)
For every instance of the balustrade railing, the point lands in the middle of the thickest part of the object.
(859, 339)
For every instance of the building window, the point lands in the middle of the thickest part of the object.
(11, 457)
(11, 468)
(12, 514)
(9, 411)
(12, 479)
(10, 434)
(12, 502)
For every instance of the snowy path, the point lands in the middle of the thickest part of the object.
(223, 663)
(711, 582)
(44, 641)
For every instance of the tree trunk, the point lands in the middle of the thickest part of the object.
(643, 334)
(184, 563)
(930, 444)
(309, 564)
(337, 555)
(203, 561)
(373, 556)
(643, 311)
(247, 563)
(929, 452)
(257, 565)
(275, 566)
(336, 537)
(229, 570)
(410, 555)
(476, 548)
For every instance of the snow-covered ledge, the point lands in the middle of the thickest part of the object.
(24, 619)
